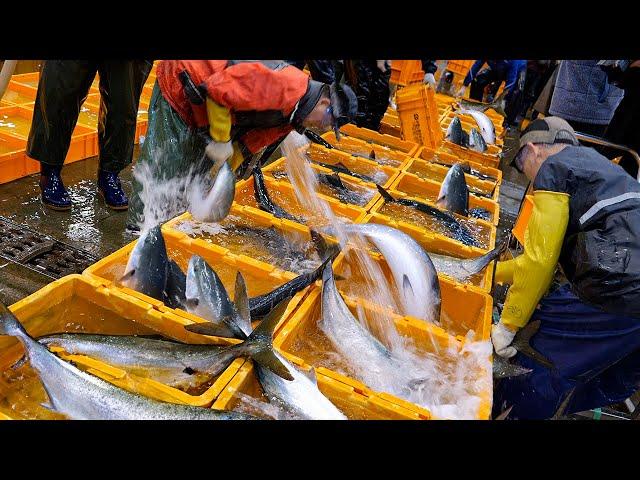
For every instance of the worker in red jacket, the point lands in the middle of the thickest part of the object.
(203, 112)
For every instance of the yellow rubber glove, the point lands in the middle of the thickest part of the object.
(219, 121)
(504, 271)
(533, 270)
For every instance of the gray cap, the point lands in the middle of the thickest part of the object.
(547, 130)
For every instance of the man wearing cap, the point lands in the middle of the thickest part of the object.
(204, 112)
(586, 217)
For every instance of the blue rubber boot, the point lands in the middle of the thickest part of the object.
(54, 195)
(111, 190)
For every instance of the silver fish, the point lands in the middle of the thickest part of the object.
(454, 193)
(412, 269)
(207, 298)
(80, 395)
(476, 142)
(486, 126)
(460, 269)
(148, 265)
(497, 105)
(217, 203)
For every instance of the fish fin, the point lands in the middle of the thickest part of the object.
(505, 414)
(19, 363)
(407, 288)
(311, 375)
(325, 250)
(9, 324)
(327, 273)
(342, 165)
(385, 195)
(497, 104)
(481, 262)
(268, 360)
(264, 331)
(241, 301)
(47, 404)
(563, 406)
(521, 343)
(372, 154)
(120, 281)
(208, 328)
(338, 181)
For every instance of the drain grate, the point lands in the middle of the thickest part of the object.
(40, 252)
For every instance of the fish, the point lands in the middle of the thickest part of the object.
(176, 282)
(343, 193)
(456, 134)
(497, 105)
(80, 395)
(459, 231)
(454, 193)
(340, 168)
(486, 126)
(207, 298)
(468, 170)
(148, 265)
(265, 202)
(521, 344)
(413, 271)
(262, 304)
(348, 335)
(460, 269)
(215, 206)
(559, 413)
(505, 414)
(502, 368)
(476, 142)
(174, 364)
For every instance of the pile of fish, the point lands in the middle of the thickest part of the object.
(478, 138)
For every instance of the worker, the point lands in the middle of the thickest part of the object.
(206, 111)
(511, 72)
(586, 216)
(370, 81)
(429, 68)
(62, 88)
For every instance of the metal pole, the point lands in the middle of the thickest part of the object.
(600, 141)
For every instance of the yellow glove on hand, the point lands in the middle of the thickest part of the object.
(219, 121)
(533, 270)
(502, 335)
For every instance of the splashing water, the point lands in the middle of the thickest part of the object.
(165, 197)
(450, 381)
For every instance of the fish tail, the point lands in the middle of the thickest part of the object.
(386, 195)
(9, 324)
(480, 263)
(259, 345)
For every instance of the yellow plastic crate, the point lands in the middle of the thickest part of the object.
(523, 218)
(352, 145)
(428, 190)
(437, 173)
(419, 117)
(279, 166)
(406, 72)
(485, 159)
(427, 337)
(465, 307)
(372, 136)
(18, 93)
(78, 303)
(431, 241)
(260, 277)
(356, 403)
(283, 194)
(431, 155)
(382, 174)
(246, 215)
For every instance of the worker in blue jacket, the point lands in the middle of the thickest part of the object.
(511, 72)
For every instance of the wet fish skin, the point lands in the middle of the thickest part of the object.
(344, 194)
(476, 142)
(521, 343)
(497, 104)
(265, 202)
(486, 126)
(454, 193)
(460, 232)
(207, 298)
(461, 269)
(502, 368)
(176, 282)
(217, 203)
(456, 134)
(412, 269)
(80, 395)
(341, 168)
(148, 265)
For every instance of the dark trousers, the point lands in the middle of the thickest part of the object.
(595, 352)
(513, 99)
(63, 87)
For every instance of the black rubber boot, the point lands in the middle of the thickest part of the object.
(54, 195)
(111, 190)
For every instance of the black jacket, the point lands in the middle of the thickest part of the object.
(601, 251)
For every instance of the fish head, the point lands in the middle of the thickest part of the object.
(205, 293)
(146, 269)
(215, 206)
(454, 193)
